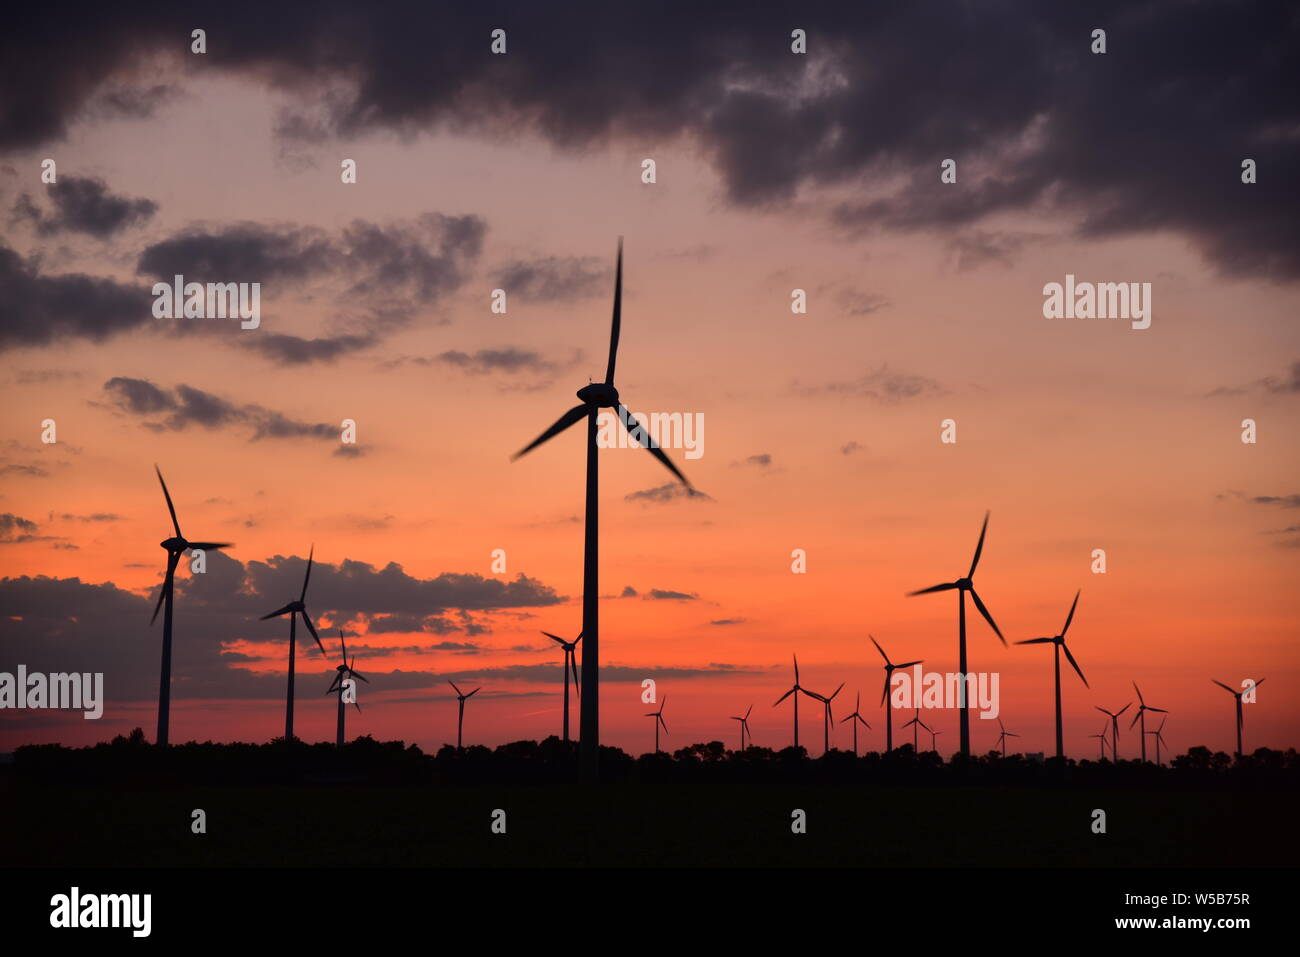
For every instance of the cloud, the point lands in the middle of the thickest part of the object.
(728, 621)
(14, 528)
(554, 278)
(882, 385)
(978, 247)
(510, 360)
(663, 594)
(84, 205)
(1282, 501)
(1034, 118)
(628, 592)
(1285, 384)
(36, 309)
(664, 494)
(763, 460)
(177, 409)
(850, 448)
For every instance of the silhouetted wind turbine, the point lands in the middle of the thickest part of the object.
(1143, 708)
(933, 737)
(856, 719)
(293, 610)
(1237, 695)
(1058, 645)
(1160, 738)
(962, 586)
(1002, 738)
(1114, 728)
(174, 546)
(795, 690)
(744, 727)
(827, 718)
(659, 719)
(1101, 743)
(570, 664)
(460, 717)
(890, 668)
(916, 723)
(344, 671)
(596, 396)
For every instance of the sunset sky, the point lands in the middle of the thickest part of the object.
(774, 171)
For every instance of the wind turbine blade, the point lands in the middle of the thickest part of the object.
(1125, 708)
(1162, 710)
(987, 617)
(933, 588)
(1141, 700)
(345, 647)
(554, 638)
(453, 684)
(1070, 617)
(312, 628)
(307, 577)
(617, 322)
(277, 613)
(646, 442)
(473, 693)
(884, 694)
(170, 507)
(357, 674)
(979, 546)
(1138, 715)
(796, 668)
(172, 559)
(747, 713)
(563, 422)
(1035, 641)
(849, 718)
(663, 722)
(1075, 664)
(1260, 682)
(906, 664)
(1224, 687)
(357, 705)
(1104, 711)
(209, 546)
(879, 649)
(577, 685)
(578, 639)
(783, 697)
(1012, 734)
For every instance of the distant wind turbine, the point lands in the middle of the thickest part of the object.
(175, 546)
(293, 610)
(596, 396)
(570, 666)
(659, 720)
(827, 717)
(1114, 728)
(890, 668)
(934, 735)
(344, 672)
(1143, 708)
(744, 727)
(1237, 695)
(795, 690)
(856, 719)
(962, 586)
(1058, 645)
(1002, 738)
(460, 716)
(1160, 738)
(1101, 743)
(916, 723)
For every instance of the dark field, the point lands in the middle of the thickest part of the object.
(640, 824)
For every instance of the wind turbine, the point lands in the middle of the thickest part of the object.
(857, 719)
(1058, 645)
(344, 671)
(1143, 708)
(293, 610)
(933, 736)
(1114, 728)
(795, 690)
(890, 668)
(744, 727)
(916, 723)
(827, 718)
(570, 665)
(460, 717)
(1101, 743)
(596, 396)
(1160, 738)
(174, 547)
(659, 719)
(962, 586)
(1237, 695)
(1002, 738)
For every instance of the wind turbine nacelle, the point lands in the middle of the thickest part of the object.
(600, 394)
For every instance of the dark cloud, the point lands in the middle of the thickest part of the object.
(628, 592)
(1283, 501)
(1285, 384)
(287, 350)
(728, 621)
(36, 309)
(177, 409)
(509, 360)
(762, 460)
(664, 594)
(243, 252)
(554, 278)
(1109, 144)
(14, 528)
(978, 247)
(882, 385)
(664, 494)
(84, 205)
(33, 470)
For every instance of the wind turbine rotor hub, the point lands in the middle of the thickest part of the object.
(174, 544)
(965, 584)
(600, 394)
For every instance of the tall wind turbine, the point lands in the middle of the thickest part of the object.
(1237, 695)
(1114, 728)
(460, 717)
(344, 672)
(1058, 645)
(916, 723)
(962, 586)
(293, 610)
(1143, 708)
(1160, 738)
(827, 718)
(570, 666)
(795, 690)
(659, 719)
(856, 718)
(174, 547)
(1002, 738)
(744, 727)
(596, 396)
(890, 668)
